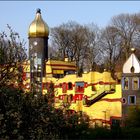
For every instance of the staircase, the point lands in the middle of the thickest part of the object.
(99, 94)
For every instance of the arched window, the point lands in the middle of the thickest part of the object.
(132, 69)
(125, 83)
(135, 83)
(69, 86)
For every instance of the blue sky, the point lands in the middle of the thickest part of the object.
(19, 14)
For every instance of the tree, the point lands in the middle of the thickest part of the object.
(127, 26)
(29, 116)
(60, 40)
(12, 54)
(132, 120)
(76, 42)
(110, 47)
(93, 53)
(70, 41)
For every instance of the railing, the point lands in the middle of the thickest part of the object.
(103, 90)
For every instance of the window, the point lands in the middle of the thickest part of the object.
(135, 83)
(28, 75)
(93, 88)
(58, 75)
(124, 101)
(57, 100)
(69, 86)
(80, 87)
(64, 87)
(45, 85)
(132, 69)
(70, 98)
(126, 83)
(20, 68)
(38, 79)
(60, 85)
(38, 74)
(115, 123)
(132, 99)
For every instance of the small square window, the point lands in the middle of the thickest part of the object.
(38, 74)
(132, 99)
(28, 75)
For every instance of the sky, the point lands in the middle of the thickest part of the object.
(19, 14)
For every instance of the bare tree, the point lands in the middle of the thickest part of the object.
(90, 47)
(92, 35)
(126, 25)
(60, 39)
(12, 54)
(110, 47)
(71, 40)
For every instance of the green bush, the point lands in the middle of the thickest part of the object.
(30, 116)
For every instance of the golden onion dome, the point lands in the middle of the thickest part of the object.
(38, 28)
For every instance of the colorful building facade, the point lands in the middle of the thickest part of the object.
(93, 93)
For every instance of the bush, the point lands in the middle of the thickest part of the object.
(30, 116)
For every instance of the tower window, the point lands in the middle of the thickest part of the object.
(38, 74)
(28, 75)
(132, 99)
(125, 83)
(135, 83)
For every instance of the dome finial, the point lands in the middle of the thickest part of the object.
(38, 10)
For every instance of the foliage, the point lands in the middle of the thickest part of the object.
(12, 53)
(133, 118)
(28, 116)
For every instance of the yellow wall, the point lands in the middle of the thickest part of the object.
(109, 104)
(97, 110)
(112, 108)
